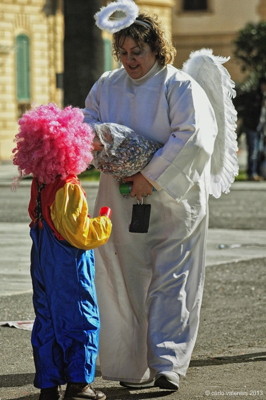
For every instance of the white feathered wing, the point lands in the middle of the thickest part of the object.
(214, 78)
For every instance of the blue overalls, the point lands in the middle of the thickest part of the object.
(65, 334)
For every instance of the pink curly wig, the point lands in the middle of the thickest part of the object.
(53, 142)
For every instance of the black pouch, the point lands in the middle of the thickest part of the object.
(140, 218)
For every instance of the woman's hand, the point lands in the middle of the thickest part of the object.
(97, 144)
(141, 187)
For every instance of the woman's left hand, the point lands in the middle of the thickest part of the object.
(141, 187)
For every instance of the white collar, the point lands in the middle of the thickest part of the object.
(154, 69)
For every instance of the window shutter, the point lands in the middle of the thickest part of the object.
(23, 68)
(108, 59)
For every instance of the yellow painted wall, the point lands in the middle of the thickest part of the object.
(45, 35)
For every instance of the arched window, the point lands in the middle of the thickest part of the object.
(23, 68)
(195, 5)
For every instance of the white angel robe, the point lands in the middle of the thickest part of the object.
(150, 285)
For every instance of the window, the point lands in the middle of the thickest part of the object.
(23, 68)
(195, 5)
(108, 59)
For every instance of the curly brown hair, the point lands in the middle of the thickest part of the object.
(153, 35)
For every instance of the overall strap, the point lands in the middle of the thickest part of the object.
(38, 208)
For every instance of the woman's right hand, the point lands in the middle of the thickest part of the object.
(141, 187)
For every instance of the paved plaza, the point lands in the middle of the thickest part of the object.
(229, 360)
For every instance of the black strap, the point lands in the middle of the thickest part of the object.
(38, 208)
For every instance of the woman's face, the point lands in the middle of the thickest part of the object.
(136, 60)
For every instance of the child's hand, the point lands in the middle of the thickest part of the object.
(106, 211)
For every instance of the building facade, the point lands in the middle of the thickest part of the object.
(213, 24)
(31, 37)
(31, 47)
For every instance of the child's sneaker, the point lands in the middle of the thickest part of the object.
(50, 394)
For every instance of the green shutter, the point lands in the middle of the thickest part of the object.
(108, 59)
(23, 68)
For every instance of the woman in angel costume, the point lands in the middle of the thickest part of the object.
(150, 285)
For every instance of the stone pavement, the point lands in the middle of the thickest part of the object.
(223, 245)
(230, 353)
(228, 360)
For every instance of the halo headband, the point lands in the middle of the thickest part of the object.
(118, 15)
(139, 22)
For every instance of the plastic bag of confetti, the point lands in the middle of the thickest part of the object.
(124, 152)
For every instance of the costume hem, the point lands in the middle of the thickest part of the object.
(108, 378)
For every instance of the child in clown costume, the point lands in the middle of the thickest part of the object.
(54, 146)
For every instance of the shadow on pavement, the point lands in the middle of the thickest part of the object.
(28, 397)
(16, 380)
(124, 394)
(112, 394)
(243, 358)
